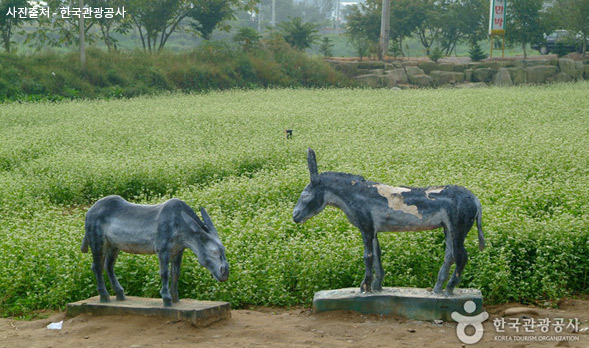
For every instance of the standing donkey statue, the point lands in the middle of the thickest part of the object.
(113, 224)
(373, 207)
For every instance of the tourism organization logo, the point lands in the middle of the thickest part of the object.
(464, 321)
(514, 329)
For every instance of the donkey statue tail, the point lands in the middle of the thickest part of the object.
(480, 224)
(85, 244)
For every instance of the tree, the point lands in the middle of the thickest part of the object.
(9, 23)
(429, 19)
(208, 15)
(526, 23)
(363, 27)
(108, 26)
(156, 20)
(403, 22)
(325, 46)
(61, 31)
(247, 38)
(297, 34)
(574, 16)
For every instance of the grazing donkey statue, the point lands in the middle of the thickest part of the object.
(113, 224)
(373, 207)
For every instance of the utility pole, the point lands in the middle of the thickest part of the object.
(273, 23)
(82, 37)
(260, 17)
(385, 25)
(337, 10)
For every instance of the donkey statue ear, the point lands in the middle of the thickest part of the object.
(312, 162)
(207, 220)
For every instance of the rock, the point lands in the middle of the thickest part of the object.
(371, 80)
(482, 75)
(445, 67)
(539, 73)
(413, 70)
(518, 75)
(376, 71)
(394, 77)
(502, 78)
(460, 67)
(579, 69)
(428, 66)
(468, 75)
(529, 63)
(560, 77)
(445, 77)
(421, 80)
(348, 69)
(563, 344)
(370, 65)
(567, 66)
(517, 311)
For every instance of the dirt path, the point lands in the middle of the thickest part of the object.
(266, 327)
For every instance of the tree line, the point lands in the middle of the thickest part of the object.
(446, 23)
(439, 24)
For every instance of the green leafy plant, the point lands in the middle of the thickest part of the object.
(476, 53)
(436, 54)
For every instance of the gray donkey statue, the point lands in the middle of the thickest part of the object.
(113, 224)
(373, 207)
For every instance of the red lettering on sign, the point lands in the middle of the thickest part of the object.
(499, 10)
(499, 22)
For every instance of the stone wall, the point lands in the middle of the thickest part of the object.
(430, 74)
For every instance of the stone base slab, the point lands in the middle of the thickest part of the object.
(411, 303)
(199, 313)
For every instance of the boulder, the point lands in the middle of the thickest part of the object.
(376, 71)
(518, 75)
(567, 66)
(413, 70)
(348, 69)
(371, 80)
(394, 77)
(533, 62)
(502, 78)
(445, 67)
(539, 73)
(579, 67)
(460, 67)
(468, 75)
(421, 80)
(482, 75)
(428, 66)
(445, 77)
(560, 77)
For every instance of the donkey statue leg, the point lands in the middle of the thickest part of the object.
(368, 239)
(97, 268)
(378, 270)
(164, 258)
(176, 263)
(111, 258)
(448, 261)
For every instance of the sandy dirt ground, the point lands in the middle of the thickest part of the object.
(276, 327)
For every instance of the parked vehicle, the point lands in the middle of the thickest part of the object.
(560, 40)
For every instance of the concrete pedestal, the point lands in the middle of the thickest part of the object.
(199, 313)
(411, 303)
